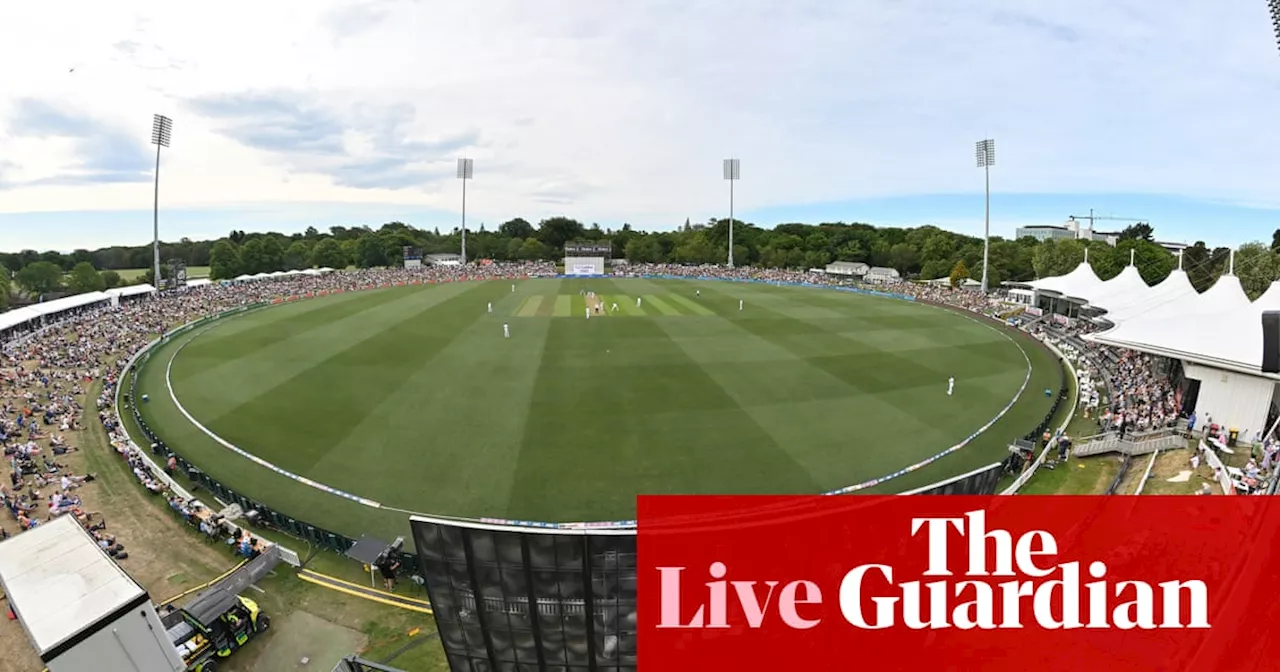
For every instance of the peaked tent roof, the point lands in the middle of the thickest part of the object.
(1226, 295)
(1120, 289)
(1220, 327)
(1080, 282)
(1173, 289)
(1270, 299)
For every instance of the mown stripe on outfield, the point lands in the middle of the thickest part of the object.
(690, 304)
(626, 304)
(662, 306)
(564, 304)
(680, 431)
(530, 306)
(266, 423)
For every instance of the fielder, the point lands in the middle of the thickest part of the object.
(506, 331)
(951, 385)
(614, 309)
(739, 305)
(588, 313)
(491, 308)
(697, 292)
(513, 289)
(637, 302)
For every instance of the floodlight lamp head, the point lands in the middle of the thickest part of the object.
(732, 169)
(161, 130)
(465, 169)
(985, 153)
(1275, 18)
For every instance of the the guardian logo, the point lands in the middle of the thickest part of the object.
(1038, 592)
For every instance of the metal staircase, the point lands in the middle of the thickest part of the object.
(1140, 443)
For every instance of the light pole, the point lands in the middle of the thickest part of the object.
(985, 152)
(161, 131)
(732, 172)
(465, 172)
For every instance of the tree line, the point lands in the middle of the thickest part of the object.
(925, 252)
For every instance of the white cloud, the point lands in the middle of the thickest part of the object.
(610, 109)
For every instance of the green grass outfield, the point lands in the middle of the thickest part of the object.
(411, 396)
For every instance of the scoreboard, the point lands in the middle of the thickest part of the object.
(589, 249)
(412, 257)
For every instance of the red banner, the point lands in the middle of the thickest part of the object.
(959, 583)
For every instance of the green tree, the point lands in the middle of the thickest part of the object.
(40, 278)
(516, 228)
(85, 278)
(261, 254)
(1257, 267)
(905, 258)
(533, 249)
(370, 252)
(697, 249)
(851, 251)
(960, 273)
(515, 247)
(148, 276)
(110, 279)
(272, 253)
(1057, 257)
(1153, 262)
(5, 289)
(224, 260)
(1106, 261)
(643, 250)
(297, 256)
(936, 268)
(328, 253)
(557, 231)
(1139, 231)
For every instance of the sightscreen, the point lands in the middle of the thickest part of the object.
(519, 598)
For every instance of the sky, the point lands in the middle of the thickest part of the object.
(293, 113)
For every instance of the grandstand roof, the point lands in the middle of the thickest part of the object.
(1226, 295)
(1081, 282)
(16, 317)
(1173, 289)
(1220, 328)
(1128, 283)
(132, 290)
(69, 302)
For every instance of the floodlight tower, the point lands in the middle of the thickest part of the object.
(465, 172)
(985, 152)
(161, 132)
(732, 172)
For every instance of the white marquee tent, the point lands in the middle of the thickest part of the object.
(1217, 335)
(1081, 282)
(1171, 290)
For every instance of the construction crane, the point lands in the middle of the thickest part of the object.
(1092, 218)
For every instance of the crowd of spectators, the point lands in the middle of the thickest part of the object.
(45, 374)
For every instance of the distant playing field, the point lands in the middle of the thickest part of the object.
(412, 397)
